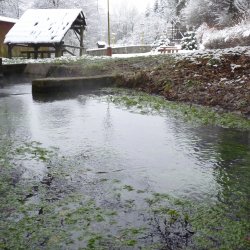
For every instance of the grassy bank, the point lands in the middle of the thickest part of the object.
(215, 78)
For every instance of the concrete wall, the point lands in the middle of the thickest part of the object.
(121, 50)
(13, 69)
(35, 69)
(4, 29)
(16, 51)
(50, 85)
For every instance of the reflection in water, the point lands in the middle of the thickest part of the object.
(107, 123)
(232, 171)
(39, 97)
(160, 151)
(225, 153)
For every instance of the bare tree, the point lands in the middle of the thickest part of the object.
(49, 4)
(12, 8)
(216, 13)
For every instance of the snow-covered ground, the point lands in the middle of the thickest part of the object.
(182, 54)
(210, 37)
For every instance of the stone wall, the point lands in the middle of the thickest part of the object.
(4, 29)
(121, 50)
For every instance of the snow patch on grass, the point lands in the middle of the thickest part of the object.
(63, 59)
(191, 55)
(213, 54)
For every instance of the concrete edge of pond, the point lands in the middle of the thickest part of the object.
(36, 69)
(10, 69)
(28, 69)
(49, 85)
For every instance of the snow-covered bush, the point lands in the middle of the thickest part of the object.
(189, 41)
(161, 41)
(238, 35)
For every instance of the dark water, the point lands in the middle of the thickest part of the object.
(165, 153)
(157, 152)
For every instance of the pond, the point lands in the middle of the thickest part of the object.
(87, 171)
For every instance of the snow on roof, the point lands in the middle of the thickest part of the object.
(101, 43)
(42, 26)
(8, 19)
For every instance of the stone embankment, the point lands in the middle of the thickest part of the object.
(216, 78)
(51, 85)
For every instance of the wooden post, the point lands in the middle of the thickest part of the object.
(36, 52)
(109, 39)
(61, 49)
(9, 51)
(57, 52)
(1, 67)
(58, 48)
(109, 49)
(81, 40)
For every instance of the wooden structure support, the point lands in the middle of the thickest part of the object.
(10, 51)
(36, 52)
(1, 67)
(59, 50)
(81, 40)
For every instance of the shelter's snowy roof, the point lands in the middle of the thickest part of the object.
(101, 43)
(8, 19)
(42, 26)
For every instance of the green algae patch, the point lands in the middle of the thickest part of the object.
(34, 150)
(128, 188)
(62, 208)
(218, 228)
(46, 214)
(52, 213)
(151, 104)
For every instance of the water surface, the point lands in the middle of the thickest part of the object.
(153, 152)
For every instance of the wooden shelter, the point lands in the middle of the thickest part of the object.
(43, 30)
(6, 24)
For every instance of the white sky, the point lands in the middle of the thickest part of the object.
(139, 4)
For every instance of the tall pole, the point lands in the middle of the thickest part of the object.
(109, 50)
(172, 30)
(108, 25)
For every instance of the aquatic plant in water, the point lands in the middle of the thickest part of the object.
(151, 104)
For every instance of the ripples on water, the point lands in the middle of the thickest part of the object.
(169, 154)
(143, 150)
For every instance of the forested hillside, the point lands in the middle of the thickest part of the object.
(131, 26)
